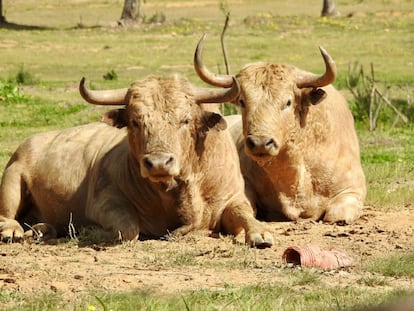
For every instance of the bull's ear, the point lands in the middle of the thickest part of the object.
(115, 117)
(316, 95)
(310, 97)
(214, 120)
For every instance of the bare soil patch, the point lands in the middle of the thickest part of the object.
(198, 261)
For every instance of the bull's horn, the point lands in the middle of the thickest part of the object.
(328, 77)
(204, 73)
(103, 97)
(210, 95)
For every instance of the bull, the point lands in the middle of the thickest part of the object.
(296, 139)
(172, 169)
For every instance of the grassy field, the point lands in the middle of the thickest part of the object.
(49, 45)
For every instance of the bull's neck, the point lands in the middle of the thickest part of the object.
(285, 170)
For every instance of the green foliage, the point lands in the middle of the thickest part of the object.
(41, 301)
(101, 302)
(227, 109)
(184, 259)
(24, 77)
(37, 113)
(10, 93)
(394, 266)
(375, 102)
(388, 163)
(306, 277)
(256, 297)
(373, 281)
(379, 157)
(110, 75)
(8, 296)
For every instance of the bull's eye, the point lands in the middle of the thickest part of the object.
(242, 104)
(185, 122)
(288, 104)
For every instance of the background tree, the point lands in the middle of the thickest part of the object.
(131, 13)
(329, 8)
(2, 17)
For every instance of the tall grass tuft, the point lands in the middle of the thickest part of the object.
(394, 266)
(25, 77)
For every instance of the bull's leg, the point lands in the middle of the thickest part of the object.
(183, 230)
(10, 202)
(238, 216)
(345, 208)
(116, 215)
(191, 210)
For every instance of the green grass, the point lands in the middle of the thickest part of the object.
(306, 277)
(257, 297)
(388, 162)
(401, 265)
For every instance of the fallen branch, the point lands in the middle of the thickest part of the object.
(223, 47)
(402, 116)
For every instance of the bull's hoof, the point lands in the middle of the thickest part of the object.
(259, 240)
(41, 232)
(10, 238)
(344, 210)
(11, 231)
(181, 231)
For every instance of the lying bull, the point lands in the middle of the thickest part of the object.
(297, 143)
(173, 169)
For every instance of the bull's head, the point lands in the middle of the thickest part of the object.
(164, 121)
(274, 100)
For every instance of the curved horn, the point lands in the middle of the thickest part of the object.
(328, 77)
(204, 73)
(103, 97)
(209, 95)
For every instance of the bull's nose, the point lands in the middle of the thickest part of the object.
(261, 145)
(159, 164)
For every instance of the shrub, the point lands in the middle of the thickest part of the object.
(374, 102)
(110, 75)
(24, 77)
(11, 93)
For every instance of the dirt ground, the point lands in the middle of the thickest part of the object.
(198, 261)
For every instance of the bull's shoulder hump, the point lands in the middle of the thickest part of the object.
(90, 135)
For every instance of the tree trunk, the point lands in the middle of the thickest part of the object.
(329, 8)
(2, 17)
(131, 11)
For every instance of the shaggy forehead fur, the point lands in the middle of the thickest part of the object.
(271, 79)
(171, 97)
